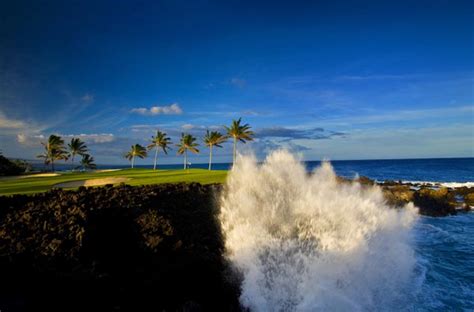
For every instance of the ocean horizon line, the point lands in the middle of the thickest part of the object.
(36, 161)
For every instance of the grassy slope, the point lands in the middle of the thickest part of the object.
(28, 185)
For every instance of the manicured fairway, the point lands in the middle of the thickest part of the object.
(28, 185)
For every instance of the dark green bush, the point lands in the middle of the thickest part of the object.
(8, 167)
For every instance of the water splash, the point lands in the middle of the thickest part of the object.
(306, 242)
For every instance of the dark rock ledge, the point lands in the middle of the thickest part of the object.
(155, 248)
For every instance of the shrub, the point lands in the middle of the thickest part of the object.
(8, 167)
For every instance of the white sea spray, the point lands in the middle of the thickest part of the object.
(306, 242)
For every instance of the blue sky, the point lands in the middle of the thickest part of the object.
(327, 79)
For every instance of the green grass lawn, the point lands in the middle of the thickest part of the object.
(29, 185)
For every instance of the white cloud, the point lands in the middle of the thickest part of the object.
(173, 109)
(199, 128)
(29, 139)
(21, 138)
(188, 126)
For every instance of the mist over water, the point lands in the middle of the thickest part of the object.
(306, 242)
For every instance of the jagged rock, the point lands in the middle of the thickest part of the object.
(398, 195)
(469, 201)
(434, 202)
(155, 247)
(365, 181)
(463, 190)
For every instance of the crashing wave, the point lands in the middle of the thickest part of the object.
(307, 242)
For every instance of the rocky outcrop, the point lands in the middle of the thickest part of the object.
(398, 195)
(155, 247)
(435, 202)
(432, 200)
(469, 201)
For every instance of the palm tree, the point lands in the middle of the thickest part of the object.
(211, 139)
(76, 147)
(188, 142)
(159, 141)
(54, 150)
(239, 132)
(136, 151)
(87, 162)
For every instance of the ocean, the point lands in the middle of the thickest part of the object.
(444, 249)
(459, 170)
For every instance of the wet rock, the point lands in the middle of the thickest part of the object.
(398, 195)
(365, 181)
(390, 183)
(469, 201)
(435, 203)
(463, 190)
(343, 180)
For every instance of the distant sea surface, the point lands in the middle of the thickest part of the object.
(459, 170)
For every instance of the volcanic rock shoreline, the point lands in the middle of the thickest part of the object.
(156, 247)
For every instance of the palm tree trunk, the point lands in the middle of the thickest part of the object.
(210, 157)
(234, 154)
(72, 163)
(185, 158)
(133, 160)
(156, 156)
(52, 165)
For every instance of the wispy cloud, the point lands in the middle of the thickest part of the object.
(251, 113)
(448, 141)
(173, 109)
(29, 140)
(87, 98)
(238, 82)
(262, 146)
(24, 132)
(402, 115)
(233, 113)
(375, 77)
(188, 127)
(34, 139)
(174, 128)
(8, 123)
(286, 134)
(94, 138)
(312, 91)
